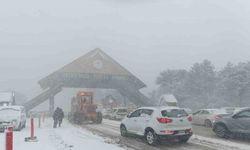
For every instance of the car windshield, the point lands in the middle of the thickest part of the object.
(9, 112)
(174, 113)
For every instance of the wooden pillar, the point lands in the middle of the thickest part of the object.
(51, 104)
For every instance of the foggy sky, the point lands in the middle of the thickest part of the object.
(145, 36)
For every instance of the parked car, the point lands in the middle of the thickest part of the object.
(106, 113)
(238, 123)
(206, 117)
(119, 113)
(158, 124)
(12, 116)
(230, 110)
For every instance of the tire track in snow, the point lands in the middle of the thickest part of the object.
(218, 144)
(111, 130)
(58, 141)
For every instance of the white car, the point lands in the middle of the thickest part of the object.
(12, 116)
(206, 117)
(119, 113)
(158, 124)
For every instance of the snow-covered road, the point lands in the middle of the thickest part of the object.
(68, 137)
(73, 137)
(111, 129)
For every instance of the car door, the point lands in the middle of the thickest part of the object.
(132, 121)
(204, 114)
(196, 117)
(143, 120)
(243, 122)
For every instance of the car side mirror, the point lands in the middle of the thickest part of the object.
(235, 116)
(129, 115)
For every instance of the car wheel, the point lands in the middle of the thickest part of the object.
(183, 139)
(151, 138)
(123, 131)
(220, 131)
(208, 123)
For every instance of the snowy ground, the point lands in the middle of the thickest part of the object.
(68, 137)
(107, 137)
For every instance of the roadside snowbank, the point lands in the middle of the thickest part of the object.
(68, 137)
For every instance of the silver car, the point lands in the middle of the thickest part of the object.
(206, 117)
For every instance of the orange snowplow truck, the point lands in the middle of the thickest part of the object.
(83, 109)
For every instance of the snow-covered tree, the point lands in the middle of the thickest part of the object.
(234, 84)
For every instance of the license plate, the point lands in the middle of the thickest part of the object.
(181, 132)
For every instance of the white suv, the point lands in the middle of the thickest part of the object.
(158, 124)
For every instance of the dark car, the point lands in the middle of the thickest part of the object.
(236, 124)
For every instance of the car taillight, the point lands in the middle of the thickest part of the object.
(164, 120)
(189, 131)
(190, 119)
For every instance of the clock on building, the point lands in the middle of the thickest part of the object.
(98, 64)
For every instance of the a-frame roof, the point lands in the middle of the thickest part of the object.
(95, 62)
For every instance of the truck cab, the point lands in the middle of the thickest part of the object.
(83, 108)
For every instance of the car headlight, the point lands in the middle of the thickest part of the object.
(14, 122)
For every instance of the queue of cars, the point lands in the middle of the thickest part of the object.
(157, 124)
(226, 122)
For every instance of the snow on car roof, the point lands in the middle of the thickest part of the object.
(11, 107)
(216, 111)
(170, 107)
(154, 108)
(240, 109)
(168, 98)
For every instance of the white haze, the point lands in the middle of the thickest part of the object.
(145, 36)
